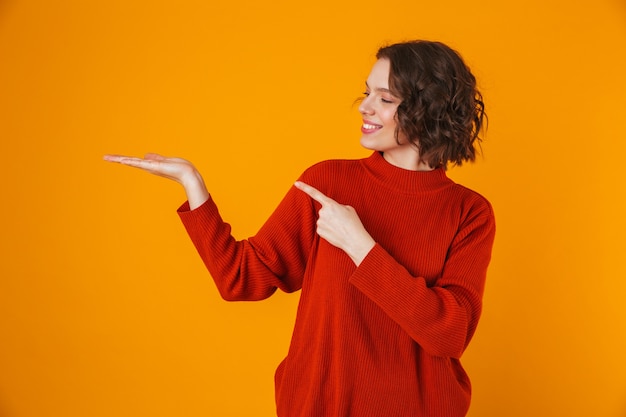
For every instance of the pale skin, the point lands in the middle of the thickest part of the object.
(337, 223)
(177, 169)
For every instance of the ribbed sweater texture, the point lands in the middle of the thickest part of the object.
(382, 339)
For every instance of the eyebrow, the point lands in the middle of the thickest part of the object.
(384, 90)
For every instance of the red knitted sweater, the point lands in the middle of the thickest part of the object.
(382, 339)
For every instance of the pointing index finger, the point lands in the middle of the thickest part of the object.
(313, 192)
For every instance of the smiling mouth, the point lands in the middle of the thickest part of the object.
(369, 128)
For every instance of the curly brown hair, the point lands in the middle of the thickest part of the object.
(441, 111)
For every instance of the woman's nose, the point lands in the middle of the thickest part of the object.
(365, 108)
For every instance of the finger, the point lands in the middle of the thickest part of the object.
(128, 160)
(113, 158)
(154, 156)
(313, 192)
(146, 164)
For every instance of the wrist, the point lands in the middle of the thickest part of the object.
(195, 189)
(191, 179)
(359, 253)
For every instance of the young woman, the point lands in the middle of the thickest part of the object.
(390, 254)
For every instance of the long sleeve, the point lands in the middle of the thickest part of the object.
(252, 269)
(441, 316)
(383, 338)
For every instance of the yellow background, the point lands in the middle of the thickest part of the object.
(105, 308)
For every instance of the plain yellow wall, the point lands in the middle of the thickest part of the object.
(105, 308)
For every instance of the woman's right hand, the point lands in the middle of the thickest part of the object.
(177, 169)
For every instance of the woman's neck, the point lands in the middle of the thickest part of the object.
(408, 161)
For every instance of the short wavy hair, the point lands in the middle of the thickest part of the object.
(441, 112)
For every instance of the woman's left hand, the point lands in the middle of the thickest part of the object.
(340, 225)
(176, 169)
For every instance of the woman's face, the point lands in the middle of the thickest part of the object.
(378, 109)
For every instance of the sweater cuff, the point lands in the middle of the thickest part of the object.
(201, 216)
(361, 278)
(183, 208)
(204, 207)
(380, 270)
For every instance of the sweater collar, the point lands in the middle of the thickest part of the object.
(404, 180)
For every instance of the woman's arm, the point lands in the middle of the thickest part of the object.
(443, 317)
(249, 269)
